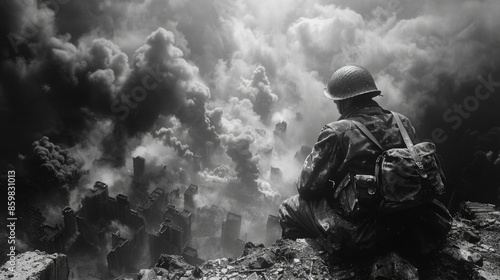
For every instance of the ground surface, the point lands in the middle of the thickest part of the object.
(472, 251)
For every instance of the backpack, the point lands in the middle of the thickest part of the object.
(403, 177)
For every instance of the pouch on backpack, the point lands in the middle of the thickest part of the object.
(357, 193)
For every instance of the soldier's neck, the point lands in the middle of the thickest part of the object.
(352, 107)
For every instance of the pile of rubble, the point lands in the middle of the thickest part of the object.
(286, 259)
(472, 251)
(37, 266)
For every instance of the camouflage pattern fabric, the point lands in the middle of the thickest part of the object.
(342, 148)
(418, 230)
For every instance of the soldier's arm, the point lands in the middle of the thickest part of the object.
(314, 181)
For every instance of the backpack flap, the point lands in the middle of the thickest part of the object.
(401, 182)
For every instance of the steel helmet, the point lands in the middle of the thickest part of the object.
(350, 81)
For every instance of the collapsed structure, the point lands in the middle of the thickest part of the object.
(230, 238)
(167, 221)
(156, 227)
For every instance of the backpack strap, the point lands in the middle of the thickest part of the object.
(367, 133)
(370, 136)
(402, 130)
(410, 146)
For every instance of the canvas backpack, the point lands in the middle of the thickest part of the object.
(403, 177)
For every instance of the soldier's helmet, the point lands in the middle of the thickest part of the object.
(350, 81)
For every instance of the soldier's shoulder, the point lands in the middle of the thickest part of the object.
(402, 117)
(399, 115)
(338, 127)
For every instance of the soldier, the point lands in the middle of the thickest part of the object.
(317, 212)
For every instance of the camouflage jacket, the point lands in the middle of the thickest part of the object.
(341, 147)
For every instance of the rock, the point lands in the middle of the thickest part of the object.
(253, 276)
(251, 247)
(471, 237)
(145, 274)
(173, 263)
(37, 266)
(197, 272)
(393, 266)
(264, 261)
(476, 259)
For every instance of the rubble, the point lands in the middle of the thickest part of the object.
(471, 251)
(471, 237)
(37, 266)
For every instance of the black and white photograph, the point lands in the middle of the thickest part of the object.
(250, 139)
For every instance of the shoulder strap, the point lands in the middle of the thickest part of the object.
(409, 144)
(367, 133)
(403, 131)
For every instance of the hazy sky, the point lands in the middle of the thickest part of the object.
(164, 78)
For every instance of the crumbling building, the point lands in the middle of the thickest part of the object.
(152, 209)
(182, 219)
(273, 230)
(208, 219)
(301, 155)
(118, 256)
(50, 239)
(70, 225)
(280, 129)
(99, 208)
(91, 233)
(31, 219)
(174, 197)
(189, 195)
(125, 255)
(231, 228)
(167, 240)
(139, 167)
(276, 174)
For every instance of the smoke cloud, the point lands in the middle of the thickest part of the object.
(238, 148)
(53, 164)
(259, 92)
(197, 87)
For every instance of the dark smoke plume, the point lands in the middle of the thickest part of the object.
(51, 164)
(258, 89)
(163, 83)
(238, 148)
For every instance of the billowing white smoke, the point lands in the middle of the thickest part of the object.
(166, 135)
